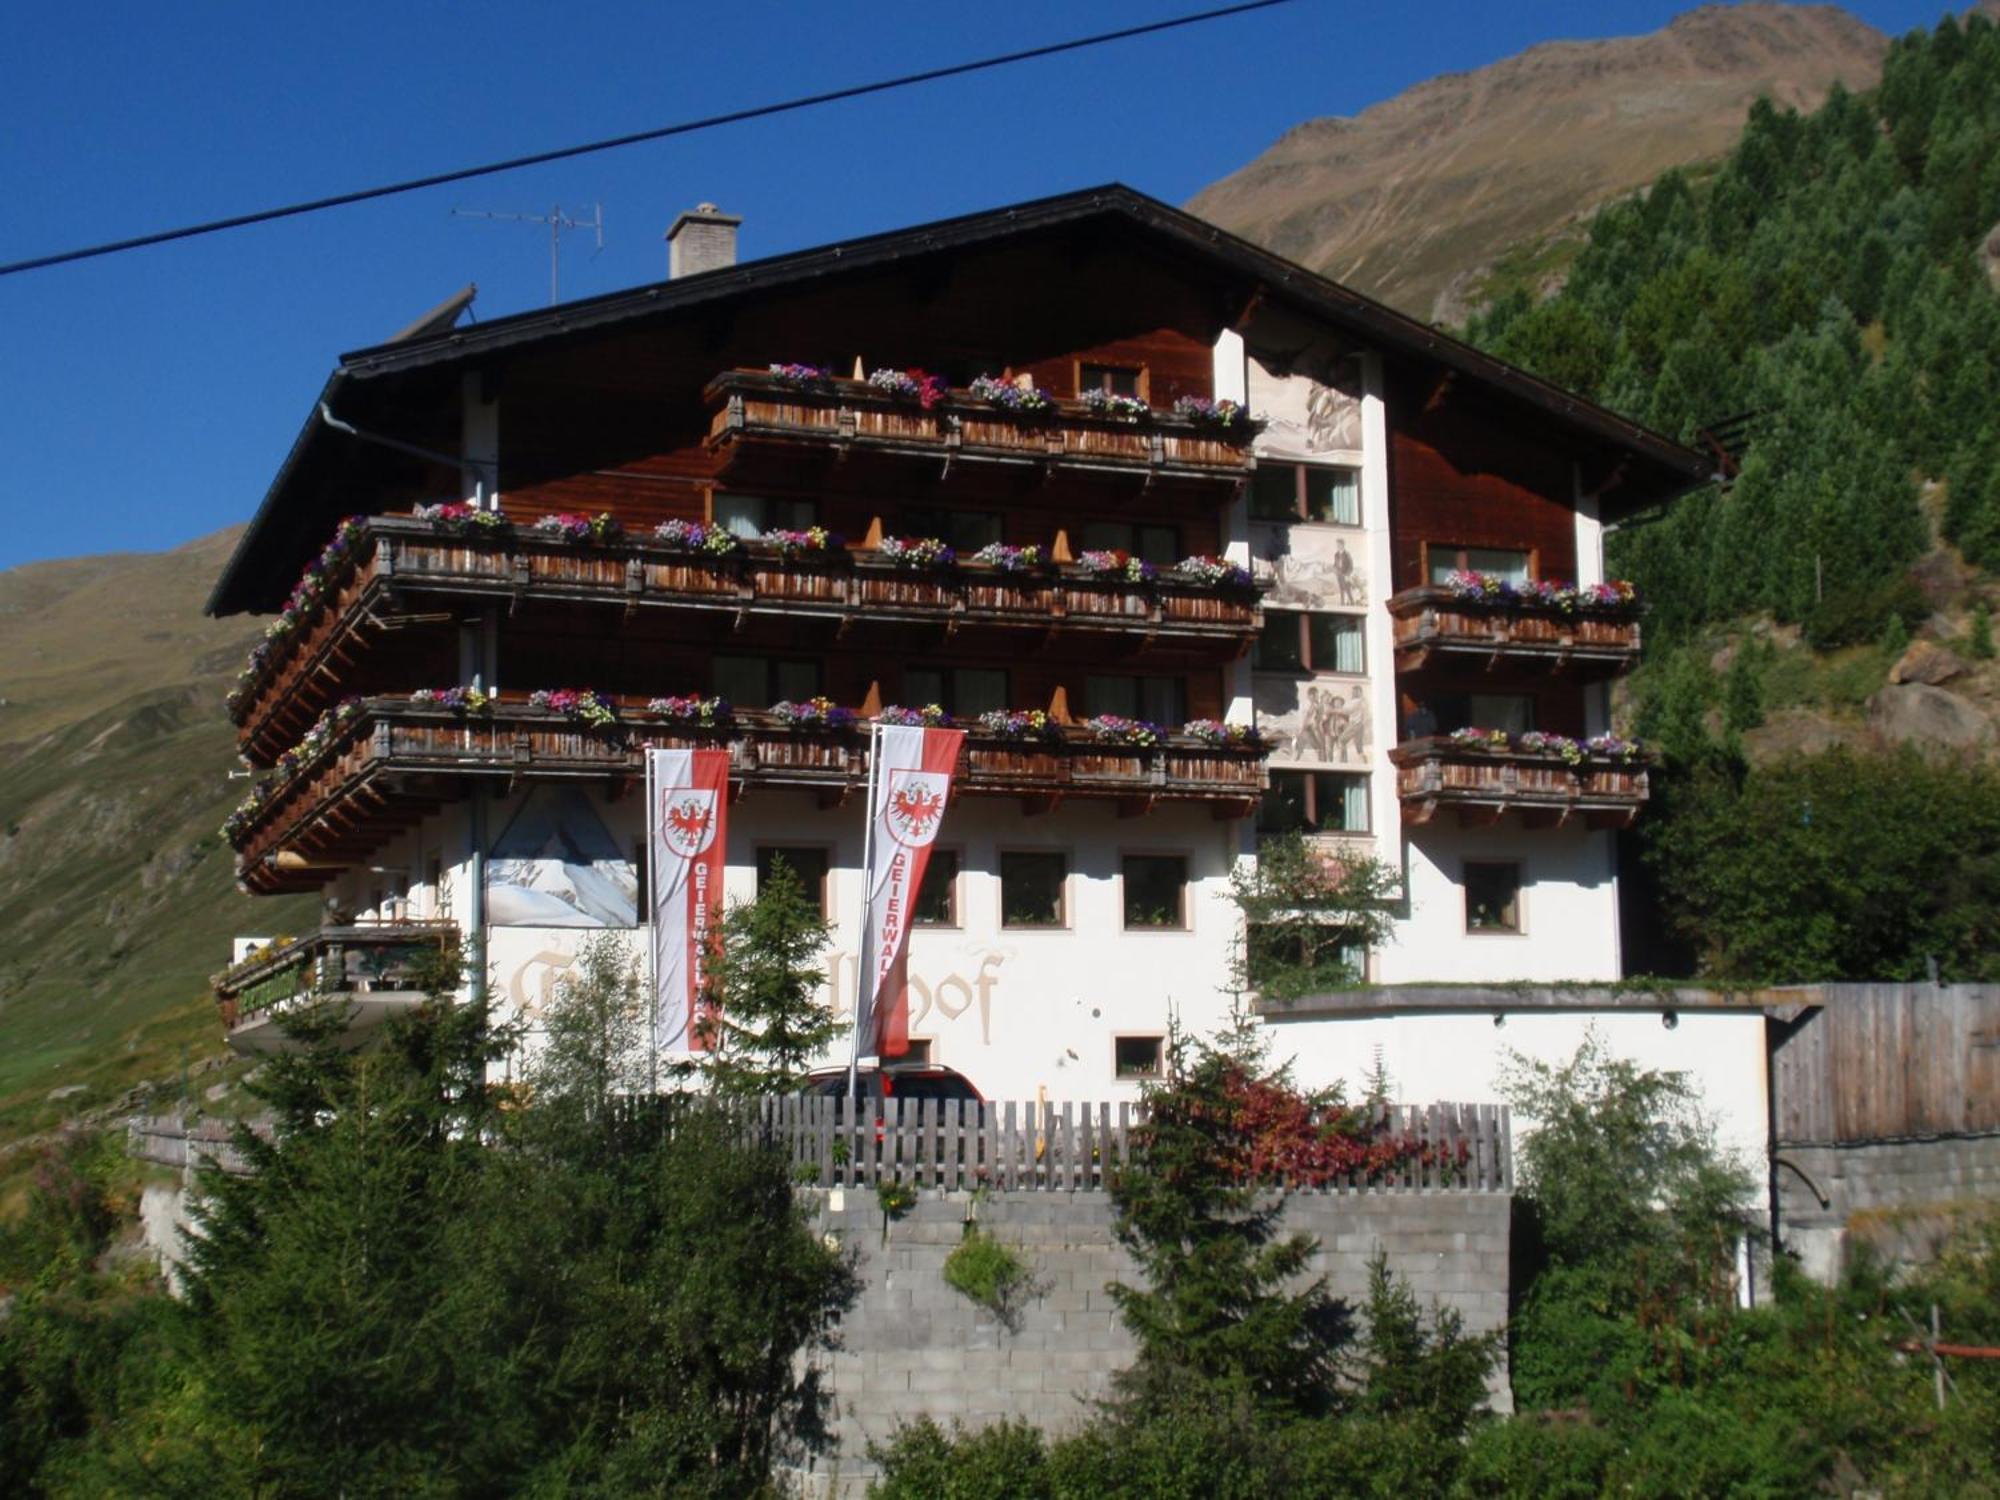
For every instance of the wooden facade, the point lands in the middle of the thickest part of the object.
(1433, 775)
(394, 761)
(1876, 1063)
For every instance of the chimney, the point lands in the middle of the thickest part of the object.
(702, 239)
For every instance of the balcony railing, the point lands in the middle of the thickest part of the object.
(392, 761)
(1482, 785)
(753, 407)
(375, 968)
(299, 671)
(1433, 625)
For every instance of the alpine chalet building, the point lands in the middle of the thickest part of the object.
(1193, 543)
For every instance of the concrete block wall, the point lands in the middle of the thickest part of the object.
(1901, 1198)
(912, 1346)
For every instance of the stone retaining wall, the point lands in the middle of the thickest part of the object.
(914, 1347)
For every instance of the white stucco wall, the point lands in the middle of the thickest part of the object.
(1569, 910)
(1459, 1056)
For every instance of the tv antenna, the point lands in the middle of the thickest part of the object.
(557, 221)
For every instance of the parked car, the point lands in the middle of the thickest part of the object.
(917, 1081)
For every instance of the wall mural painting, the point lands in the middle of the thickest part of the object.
(1314, 722)
(1304, 417)
(556, 865)
(1310, 567)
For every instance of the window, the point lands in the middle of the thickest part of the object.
(1306, 492)
(1138, 1056)
(806, 861)
(937, 898)
(758, 681)
(1314, 802)
(440, 892)
(965, 531)
(1031, 889)
(1293, 641)
(753, 515)
(1492, 897)
(1155, 891)
(1120, 380)
(1158, 545)
(963, 692)
(1446, 558)
(1513, 712)
(1163, 700)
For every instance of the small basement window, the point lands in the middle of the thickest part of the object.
(1139, 1056)
(1492, 897)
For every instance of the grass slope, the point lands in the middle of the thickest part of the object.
(116, 895)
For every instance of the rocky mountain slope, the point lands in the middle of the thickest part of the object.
(1414, 198)
(116, 897)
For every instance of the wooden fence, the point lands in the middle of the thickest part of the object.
(1003, 1146)
(1034, 1146)
(1889, 1062)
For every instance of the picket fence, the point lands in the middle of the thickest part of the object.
(1068, 1146)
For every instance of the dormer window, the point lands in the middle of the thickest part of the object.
(1119, 380)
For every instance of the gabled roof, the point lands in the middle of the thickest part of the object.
(1277, 279)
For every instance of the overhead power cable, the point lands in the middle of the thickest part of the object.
(686, 127)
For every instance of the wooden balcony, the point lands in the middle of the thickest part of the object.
(1435, 627)
(755, 410)
(375, 970)
(395, 762)
(1482, 786)
(402, 565)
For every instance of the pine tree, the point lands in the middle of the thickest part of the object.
(770, 1024)
(1980, 641)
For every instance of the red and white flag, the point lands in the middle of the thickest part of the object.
(909, 783)
(687, 797)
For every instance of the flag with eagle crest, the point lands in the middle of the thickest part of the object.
(687, 798)
(909, 784)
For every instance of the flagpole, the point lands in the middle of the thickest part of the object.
(652, 929)
(863, 970)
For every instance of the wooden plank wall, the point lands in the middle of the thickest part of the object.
(1889, 1062)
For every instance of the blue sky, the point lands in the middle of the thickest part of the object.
(146, 399)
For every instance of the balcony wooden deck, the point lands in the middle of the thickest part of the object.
(1433, 626)
(1482, 786)
(755, 409)
(374, 969)
(395, 762)
(402, 564)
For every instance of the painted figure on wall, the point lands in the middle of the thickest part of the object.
(1310, 567)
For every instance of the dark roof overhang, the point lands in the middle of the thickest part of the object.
(1668, 466)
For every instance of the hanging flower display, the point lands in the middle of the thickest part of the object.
(1115, 729)
(930, 716)
(693, 712)
(1221, 416)
(920, 554)
(1021, 399)
(1224, 736)
(813, 542)
(581, 704)
(910, 385)
(1103, 403)
(458, 700)
(1006, 559)
(1018, 724)
(694, 536)
(813, 713)
(458, 518)
(1117, 566)
(1210, 573)
(1475, 587)
(802, 377)
(571, 526)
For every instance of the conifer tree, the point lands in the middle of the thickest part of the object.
(770, 1023)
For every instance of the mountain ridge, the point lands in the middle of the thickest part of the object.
(1412, 198)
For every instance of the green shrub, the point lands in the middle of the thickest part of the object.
(1980, 639)
(991, 1274)
(1007, 1461)
(1524, 1459)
